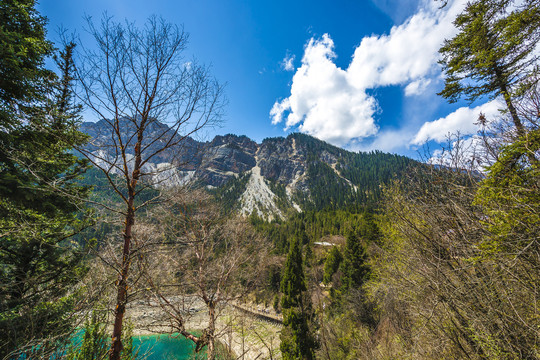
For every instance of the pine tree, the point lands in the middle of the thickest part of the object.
(297, 339)
(493, 53)
(332, 263)
(23, 49)
(354, 266)
(38, 213)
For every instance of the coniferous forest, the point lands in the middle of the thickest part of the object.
(288, 249)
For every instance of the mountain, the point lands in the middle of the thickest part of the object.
(271, 179)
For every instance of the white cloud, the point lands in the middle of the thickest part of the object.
(323, 102)
(288, 62)
(409, 53)
(388, 140)
(278, 110)
(331, 103)
(417, 87)
(463, 120)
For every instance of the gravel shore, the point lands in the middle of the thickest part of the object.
(247, 337)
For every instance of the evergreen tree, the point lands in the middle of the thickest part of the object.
(94, 342)
(297, 340)
(38, 213)
(332, 263)
(510, 196)
(493, 53)
(23, 49)
(354, 266)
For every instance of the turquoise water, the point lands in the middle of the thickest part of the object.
(164, 347)
(153, 347)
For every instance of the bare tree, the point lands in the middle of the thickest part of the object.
(136, 81)
(203, 257)
(465, 289)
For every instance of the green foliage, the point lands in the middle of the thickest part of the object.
(297, 339)
(293, 283)
(129, 351)
(275, 303)
(460, 260)
(354, 268)
(23, 49)
(366, 172)
(491, 49)
(230, 192)
(510, 197)
(312, 225)
(493, 52)
(327, 189)
(94, 342)
(331, 264)
(40, 197)
(345, 338)
(281, 199)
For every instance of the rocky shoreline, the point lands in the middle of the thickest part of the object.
(247, 336)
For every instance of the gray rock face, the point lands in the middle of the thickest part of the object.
(212, 163)
(226, 156)
(184, 153)
(282, 160)
(273, 177)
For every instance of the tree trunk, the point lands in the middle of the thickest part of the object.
(507, 98)
(122, 285)
(211, 331)
(121, 299)
(513, 112)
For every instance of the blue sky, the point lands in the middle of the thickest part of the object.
(359, 74)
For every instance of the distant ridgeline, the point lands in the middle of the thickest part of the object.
(272, 180)
(302, 172)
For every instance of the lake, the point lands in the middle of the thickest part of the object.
(164, 347)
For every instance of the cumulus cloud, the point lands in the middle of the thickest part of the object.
(388, 140)
(332, 103)
(463, 120)
(323, 102)
(409, 53)
(288, 62)
(278, 110)
(417, 87)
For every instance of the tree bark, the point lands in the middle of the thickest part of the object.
(122, 285)
(507, 98)
(211, 331)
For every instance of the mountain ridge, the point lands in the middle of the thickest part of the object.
(270, 179)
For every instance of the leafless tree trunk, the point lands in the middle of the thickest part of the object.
(136, 81)
(204, 255)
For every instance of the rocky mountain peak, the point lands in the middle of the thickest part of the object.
(269, 179)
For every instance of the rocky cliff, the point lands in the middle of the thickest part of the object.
(270, 179)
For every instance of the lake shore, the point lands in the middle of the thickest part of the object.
(247, 337)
